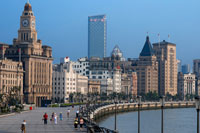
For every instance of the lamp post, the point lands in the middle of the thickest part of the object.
(162, 103)
(116, 113)
(197, 102)
(139, 103)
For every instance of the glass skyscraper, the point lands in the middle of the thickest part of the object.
(97, 36)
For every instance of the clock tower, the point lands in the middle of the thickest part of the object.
(36, 59)
(27, 31)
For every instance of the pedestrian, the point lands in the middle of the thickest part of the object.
(45, 118)
(61, 116)
(68, 111)
(76, 123)
(52, 117)
(77, 113)
(55, 118)
(23, 126)
(81, 123)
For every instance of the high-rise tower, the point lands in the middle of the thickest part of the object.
(167, 69)
(97, 36)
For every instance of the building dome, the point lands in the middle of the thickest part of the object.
(117, 52)
(27, 7)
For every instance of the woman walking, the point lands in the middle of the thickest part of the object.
(55, 118)
(81, 123)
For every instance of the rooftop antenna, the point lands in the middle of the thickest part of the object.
(28, 1)
(168, 37)
(147, 33)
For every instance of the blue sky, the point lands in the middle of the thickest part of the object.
(63, 25)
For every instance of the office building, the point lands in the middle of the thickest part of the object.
(147, 70)
(97, 36)
(179, 67)
(11, 76)
(185, 68)
(186, 85)
(167, 67)
(35, 57)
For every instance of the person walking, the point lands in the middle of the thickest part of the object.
(52, 117)
(68, 111)
(61, 116)
(23, 126)
(45, 118)
(77, 113)
(81, 123)
(76, 123)
(55, 118)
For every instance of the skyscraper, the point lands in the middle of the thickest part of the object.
(186, 68)
(167, 67)
(97, 36)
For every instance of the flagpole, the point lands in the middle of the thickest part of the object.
(169, 38)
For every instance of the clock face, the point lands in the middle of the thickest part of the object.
(25, 22)
(33, 24)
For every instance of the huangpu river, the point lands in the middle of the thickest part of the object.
(182, 120)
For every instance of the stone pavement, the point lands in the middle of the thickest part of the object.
(35, 124)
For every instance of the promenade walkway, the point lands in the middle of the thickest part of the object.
(12, 124)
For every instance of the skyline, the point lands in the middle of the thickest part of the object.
(63, 35)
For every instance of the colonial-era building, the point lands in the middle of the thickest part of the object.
(36, 58)
(147, 70)
(94, 86)
(82, 84)
(186, 85)
(196, 71)
(134, 84)
(66, 81)
(11, 75)
(167, 67)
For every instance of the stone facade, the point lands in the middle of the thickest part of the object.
(11, 75)
(147, 70)
(167, 67)
(36, 59)
(94, 86)
(186, 85)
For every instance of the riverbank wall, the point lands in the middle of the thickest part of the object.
(126, 107)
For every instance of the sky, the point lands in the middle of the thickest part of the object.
(63, 25)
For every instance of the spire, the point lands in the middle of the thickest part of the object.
(147, 49)
(27, 6)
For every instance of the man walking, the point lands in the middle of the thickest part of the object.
(45, 118)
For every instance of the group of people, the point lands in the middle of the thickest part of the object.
(54, 117)
(78, 121)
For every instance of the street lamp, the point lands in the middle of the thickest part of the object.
(115, 113)
(162, 103)
(197, 102)
(139, 103)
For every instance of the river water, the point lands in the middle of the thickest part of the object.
(182, 120)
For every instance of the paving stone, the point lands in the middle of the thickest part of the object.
(35, 124)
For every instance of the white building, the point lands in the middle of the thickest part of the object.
(186, 84)
(66, 81)
(82, 84)
(81, 66)
(117, 80)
